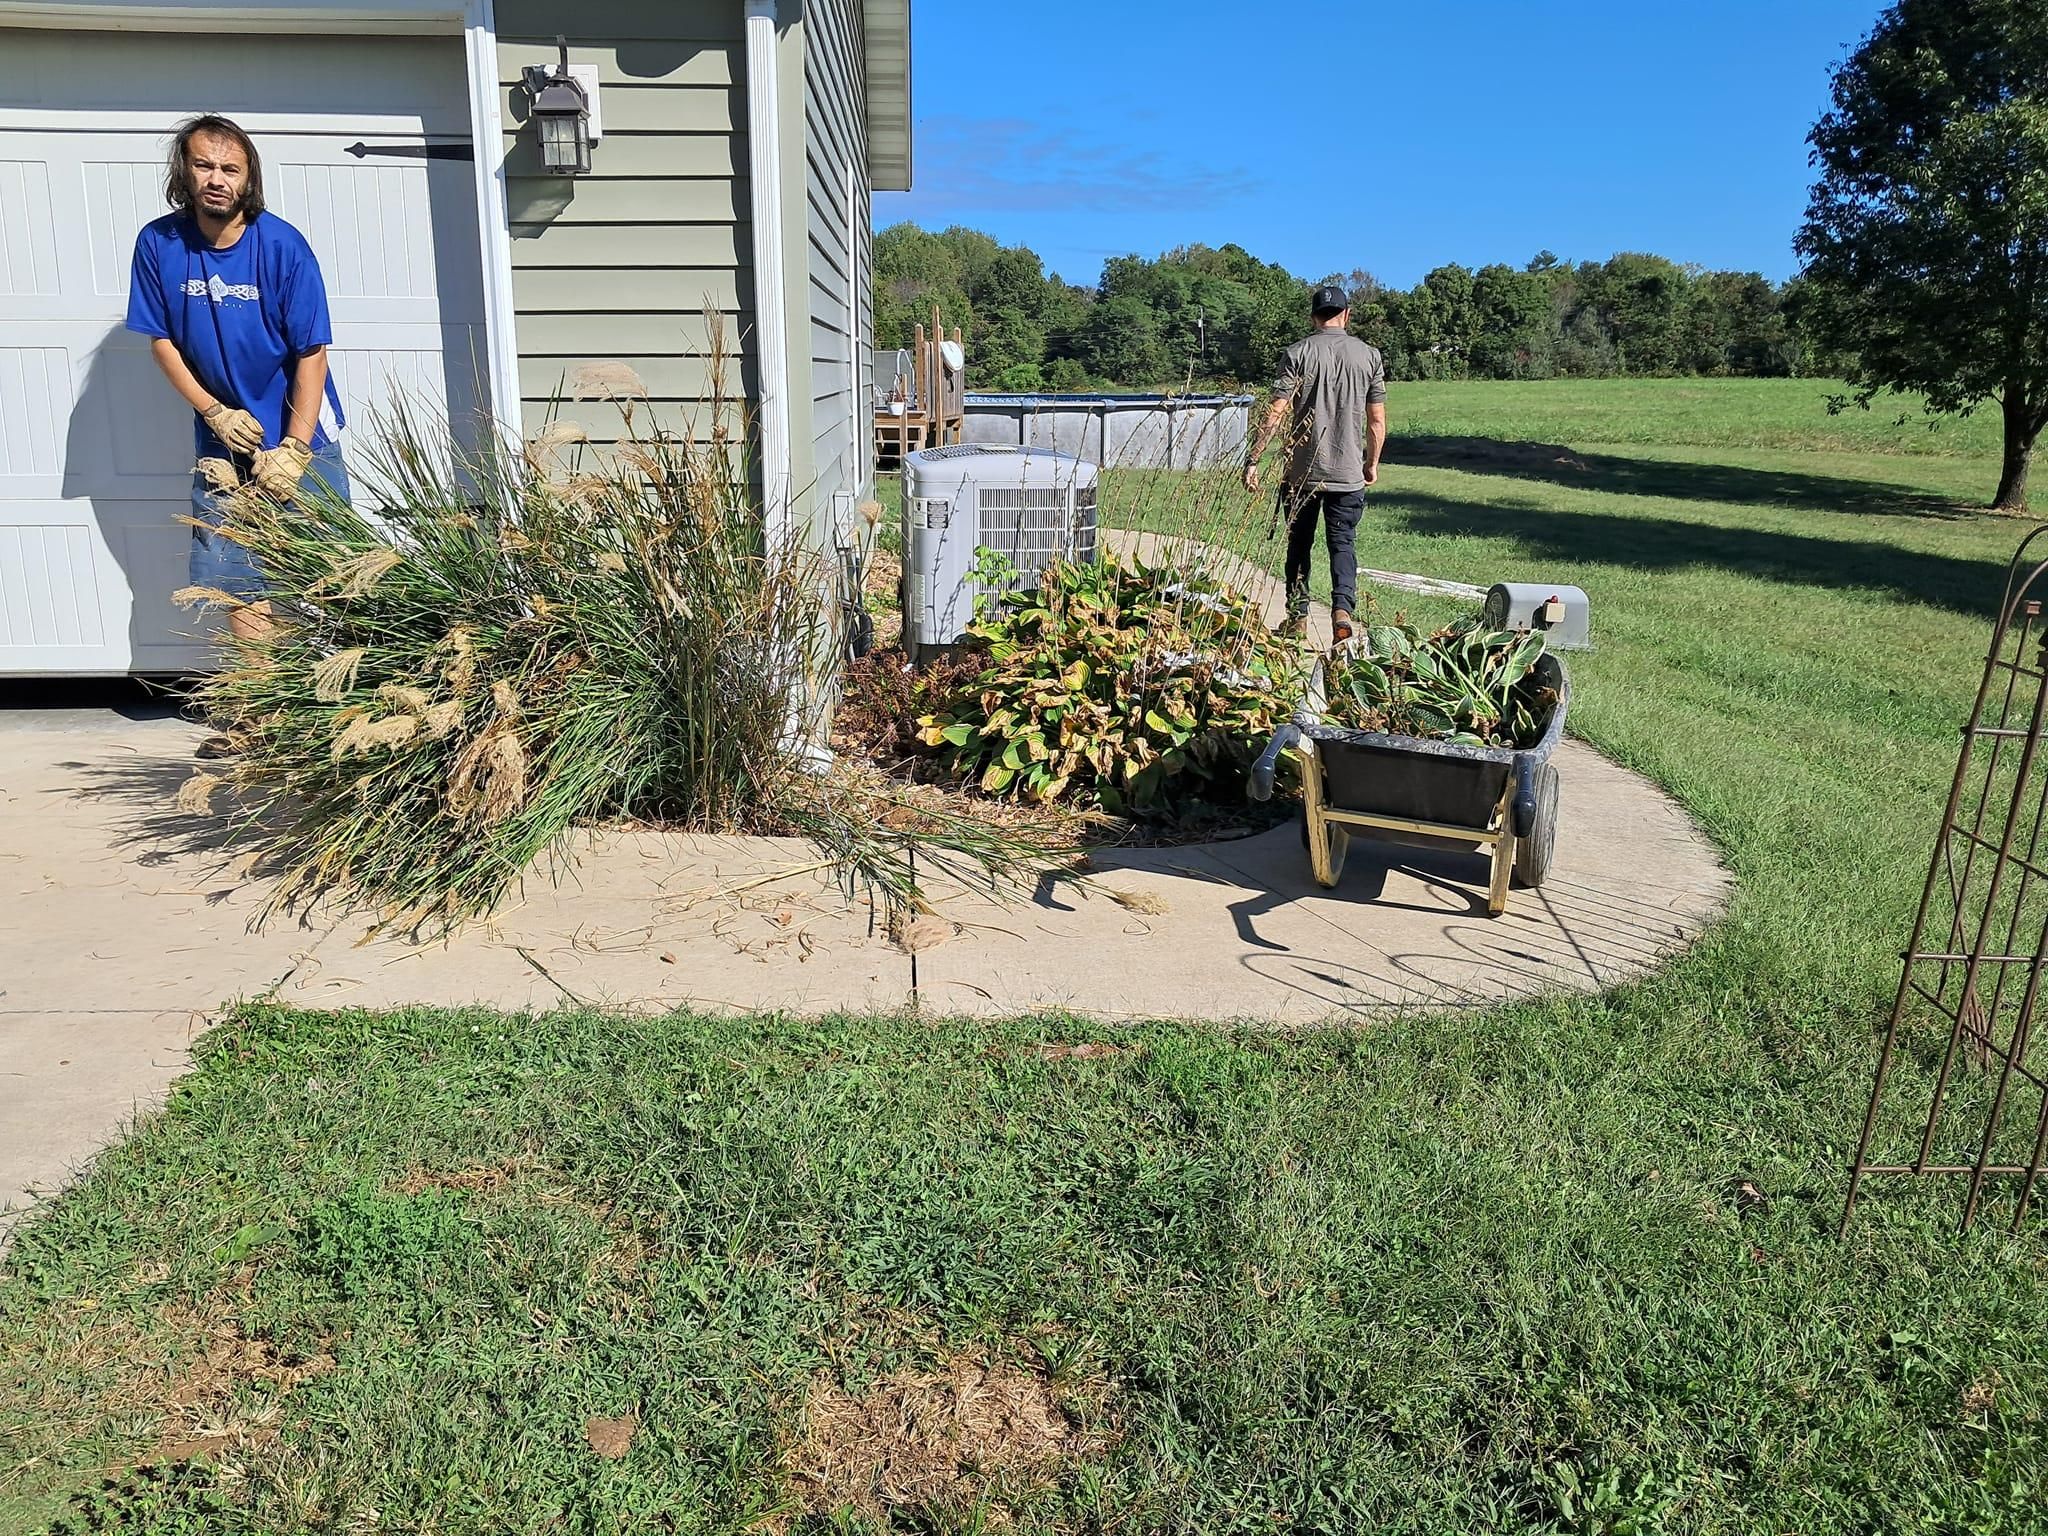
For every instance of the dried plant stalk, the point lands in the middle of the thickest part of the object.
(645, 656)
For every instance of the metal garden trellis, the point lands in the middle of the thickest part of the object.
(1979, 951)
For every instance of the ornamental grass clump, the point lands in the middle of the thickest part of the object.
(519, 642)
(1463, 683)
(1120, 684)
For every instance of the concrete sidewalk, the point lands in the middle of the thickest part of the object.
(126, 933)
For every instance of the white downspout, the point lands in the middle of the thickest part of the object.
(494, 235)
(771, 340)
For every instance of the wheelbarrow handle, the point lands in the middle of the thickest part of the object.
(1261, 786)
(1525, 795)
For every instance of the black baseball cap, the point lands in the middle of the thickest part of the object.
(1328, 299)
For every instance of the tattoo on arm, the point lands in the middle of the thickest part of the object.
(1275, 414)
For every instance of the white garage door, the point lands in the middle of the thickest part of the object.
(365, 148)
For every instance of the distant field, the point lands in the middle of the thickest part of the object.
(1756, 413)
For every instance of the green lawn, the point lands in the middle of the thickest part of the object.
(1717, 413)
(1486, 1272)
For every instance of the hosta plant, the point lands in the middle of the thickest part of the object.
(1463, 683)
(1127, 686)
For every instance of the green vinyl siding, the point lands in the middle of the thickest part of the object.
(620, 265)
(835, 310)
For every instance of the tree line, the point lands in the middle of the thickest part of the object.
(1220, 316)
(1925, 250)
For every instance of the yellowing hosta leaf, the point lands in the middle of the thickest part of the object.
(997, 779)
(1076, 677)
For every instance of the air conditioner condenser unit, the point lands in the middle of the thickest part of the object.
(1030, 505)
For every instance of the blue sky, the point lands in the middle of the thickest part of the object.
(1332, 136)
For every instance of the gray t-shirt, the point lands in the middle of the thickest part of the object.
(1331, 376)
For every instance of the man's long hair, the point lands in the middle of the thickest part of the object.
(178, 176)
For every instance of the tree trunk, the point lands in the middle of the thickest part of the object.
(2022, 426)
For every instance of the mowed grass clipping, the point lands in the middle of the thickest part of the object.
(1566, 1266)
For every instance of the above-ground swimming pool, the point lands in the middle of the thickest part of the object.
(1117, 431)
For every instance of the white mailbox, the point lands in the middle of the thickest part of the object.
(1560, 613)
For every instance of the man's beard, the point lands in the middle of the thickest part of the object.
(225, 210)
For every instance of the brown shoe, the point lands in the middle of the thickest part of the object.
(1340, 627)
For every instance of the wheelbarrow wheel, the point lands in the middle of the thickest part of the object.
(1533, 852)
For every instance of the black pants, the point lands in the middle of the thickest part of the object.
(1340, 512)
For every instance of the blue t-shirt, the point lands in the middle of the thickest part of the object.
(240, 317)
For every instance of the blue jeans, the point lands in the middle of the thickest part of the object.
(220, 562)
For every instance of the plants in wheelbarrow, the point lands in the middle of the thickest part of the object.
(519, 642)
(1133, 687)
(1462, 683)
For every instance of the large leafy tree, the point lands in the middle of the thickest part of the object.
(1926, 234)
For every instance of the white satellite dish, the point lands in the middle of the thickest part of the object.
(955, 358)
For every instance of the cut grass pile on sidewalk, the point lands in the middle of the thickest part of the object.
(1565, 1266)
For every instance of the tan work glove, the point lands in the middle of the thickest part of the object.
(238, 429)
(279, 470)
(219, 474)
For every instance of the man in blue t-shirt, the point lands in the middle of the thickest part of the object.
(232, 299)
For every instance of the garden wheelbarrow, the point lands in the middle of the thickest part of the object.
(1501, 801)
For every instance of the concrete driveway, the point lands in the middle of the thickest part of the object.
(128, 931)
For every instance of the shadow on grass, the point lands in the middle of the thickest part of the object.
(1953, 582)
(1617, 474)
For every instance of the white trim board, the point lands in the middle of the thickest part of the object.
(370, 124)
(390, 16)
(487, 138)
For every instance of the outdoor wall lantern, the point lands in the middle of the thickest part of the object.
(562, 111)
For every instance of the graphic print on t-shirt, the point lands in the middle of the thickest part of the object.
(217, 290)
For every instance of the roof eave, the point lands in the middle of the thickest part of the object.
(885, 25)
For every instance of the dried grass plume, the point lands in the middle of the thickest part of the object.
(195, 795)
(334, 676)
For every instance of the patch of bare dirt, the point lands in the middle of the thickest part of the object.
(484, 1180)
(181, 1370)
(206, 1404)
(610, 1439)
(935, 1441)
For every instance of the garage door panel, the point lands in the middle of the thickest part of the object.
(154, 557)
(50, 592)
(439, 377)
(120, 197)
(147, 429)
(28, 245)
(361, 220)
(35, 414)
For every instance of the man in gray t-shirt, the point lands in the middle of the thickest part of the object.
(1335, 387)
